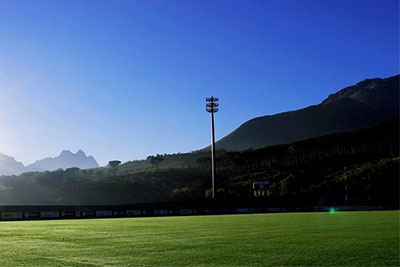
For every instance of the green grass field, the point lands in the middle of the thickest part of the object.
(343, 238)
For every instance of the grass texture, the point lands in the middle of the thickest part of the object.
(318, 239)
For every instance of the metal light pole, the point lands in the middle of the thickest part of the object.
(345, 186)
(212, 107)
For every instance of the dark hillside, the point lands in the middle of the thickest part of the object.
(304, 173)
(363, 105)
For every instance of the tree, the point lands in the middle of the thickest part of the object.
(114, 165)
(156, 161)
(182, 194)
(204, 162)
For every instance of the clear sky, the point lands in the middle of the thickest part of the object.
(127, 79)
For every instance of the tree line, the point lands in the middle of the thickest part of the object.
(310, 172)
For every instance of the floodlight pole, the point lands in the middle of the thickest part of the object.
(212, 155)
(212, 107)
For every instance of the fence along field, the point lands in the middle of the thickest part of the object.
(322, 239)
(65, 212)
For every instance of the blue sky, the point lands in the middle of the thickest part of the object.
(127, 79)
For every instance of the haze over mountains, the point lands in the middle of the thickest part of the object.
(67, 159)
(368, 103)
(365, 104)
(9, 166)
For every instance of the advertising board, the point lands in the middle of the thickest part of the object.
(49, 214)
(11, 215)
(103, 213)
(133, 212)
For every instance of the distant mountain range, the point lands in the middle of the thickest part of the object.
(368, 103)
(9, 166)
(365, 104)
(67, 159)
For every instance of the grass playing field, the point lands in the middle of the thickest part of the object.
(343, 238)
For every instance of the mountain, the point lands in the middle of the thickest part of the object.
(365, 104)
(65, 160)
(9, 166)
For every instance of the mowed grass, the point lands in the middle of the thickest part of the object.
(343, 238)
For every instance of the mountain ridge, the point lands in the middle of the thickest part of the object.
(10, 166)
(66, 159)
(367, 103)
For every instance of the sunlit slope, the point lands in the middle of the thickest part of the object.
(340, 239)
(365, 104)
